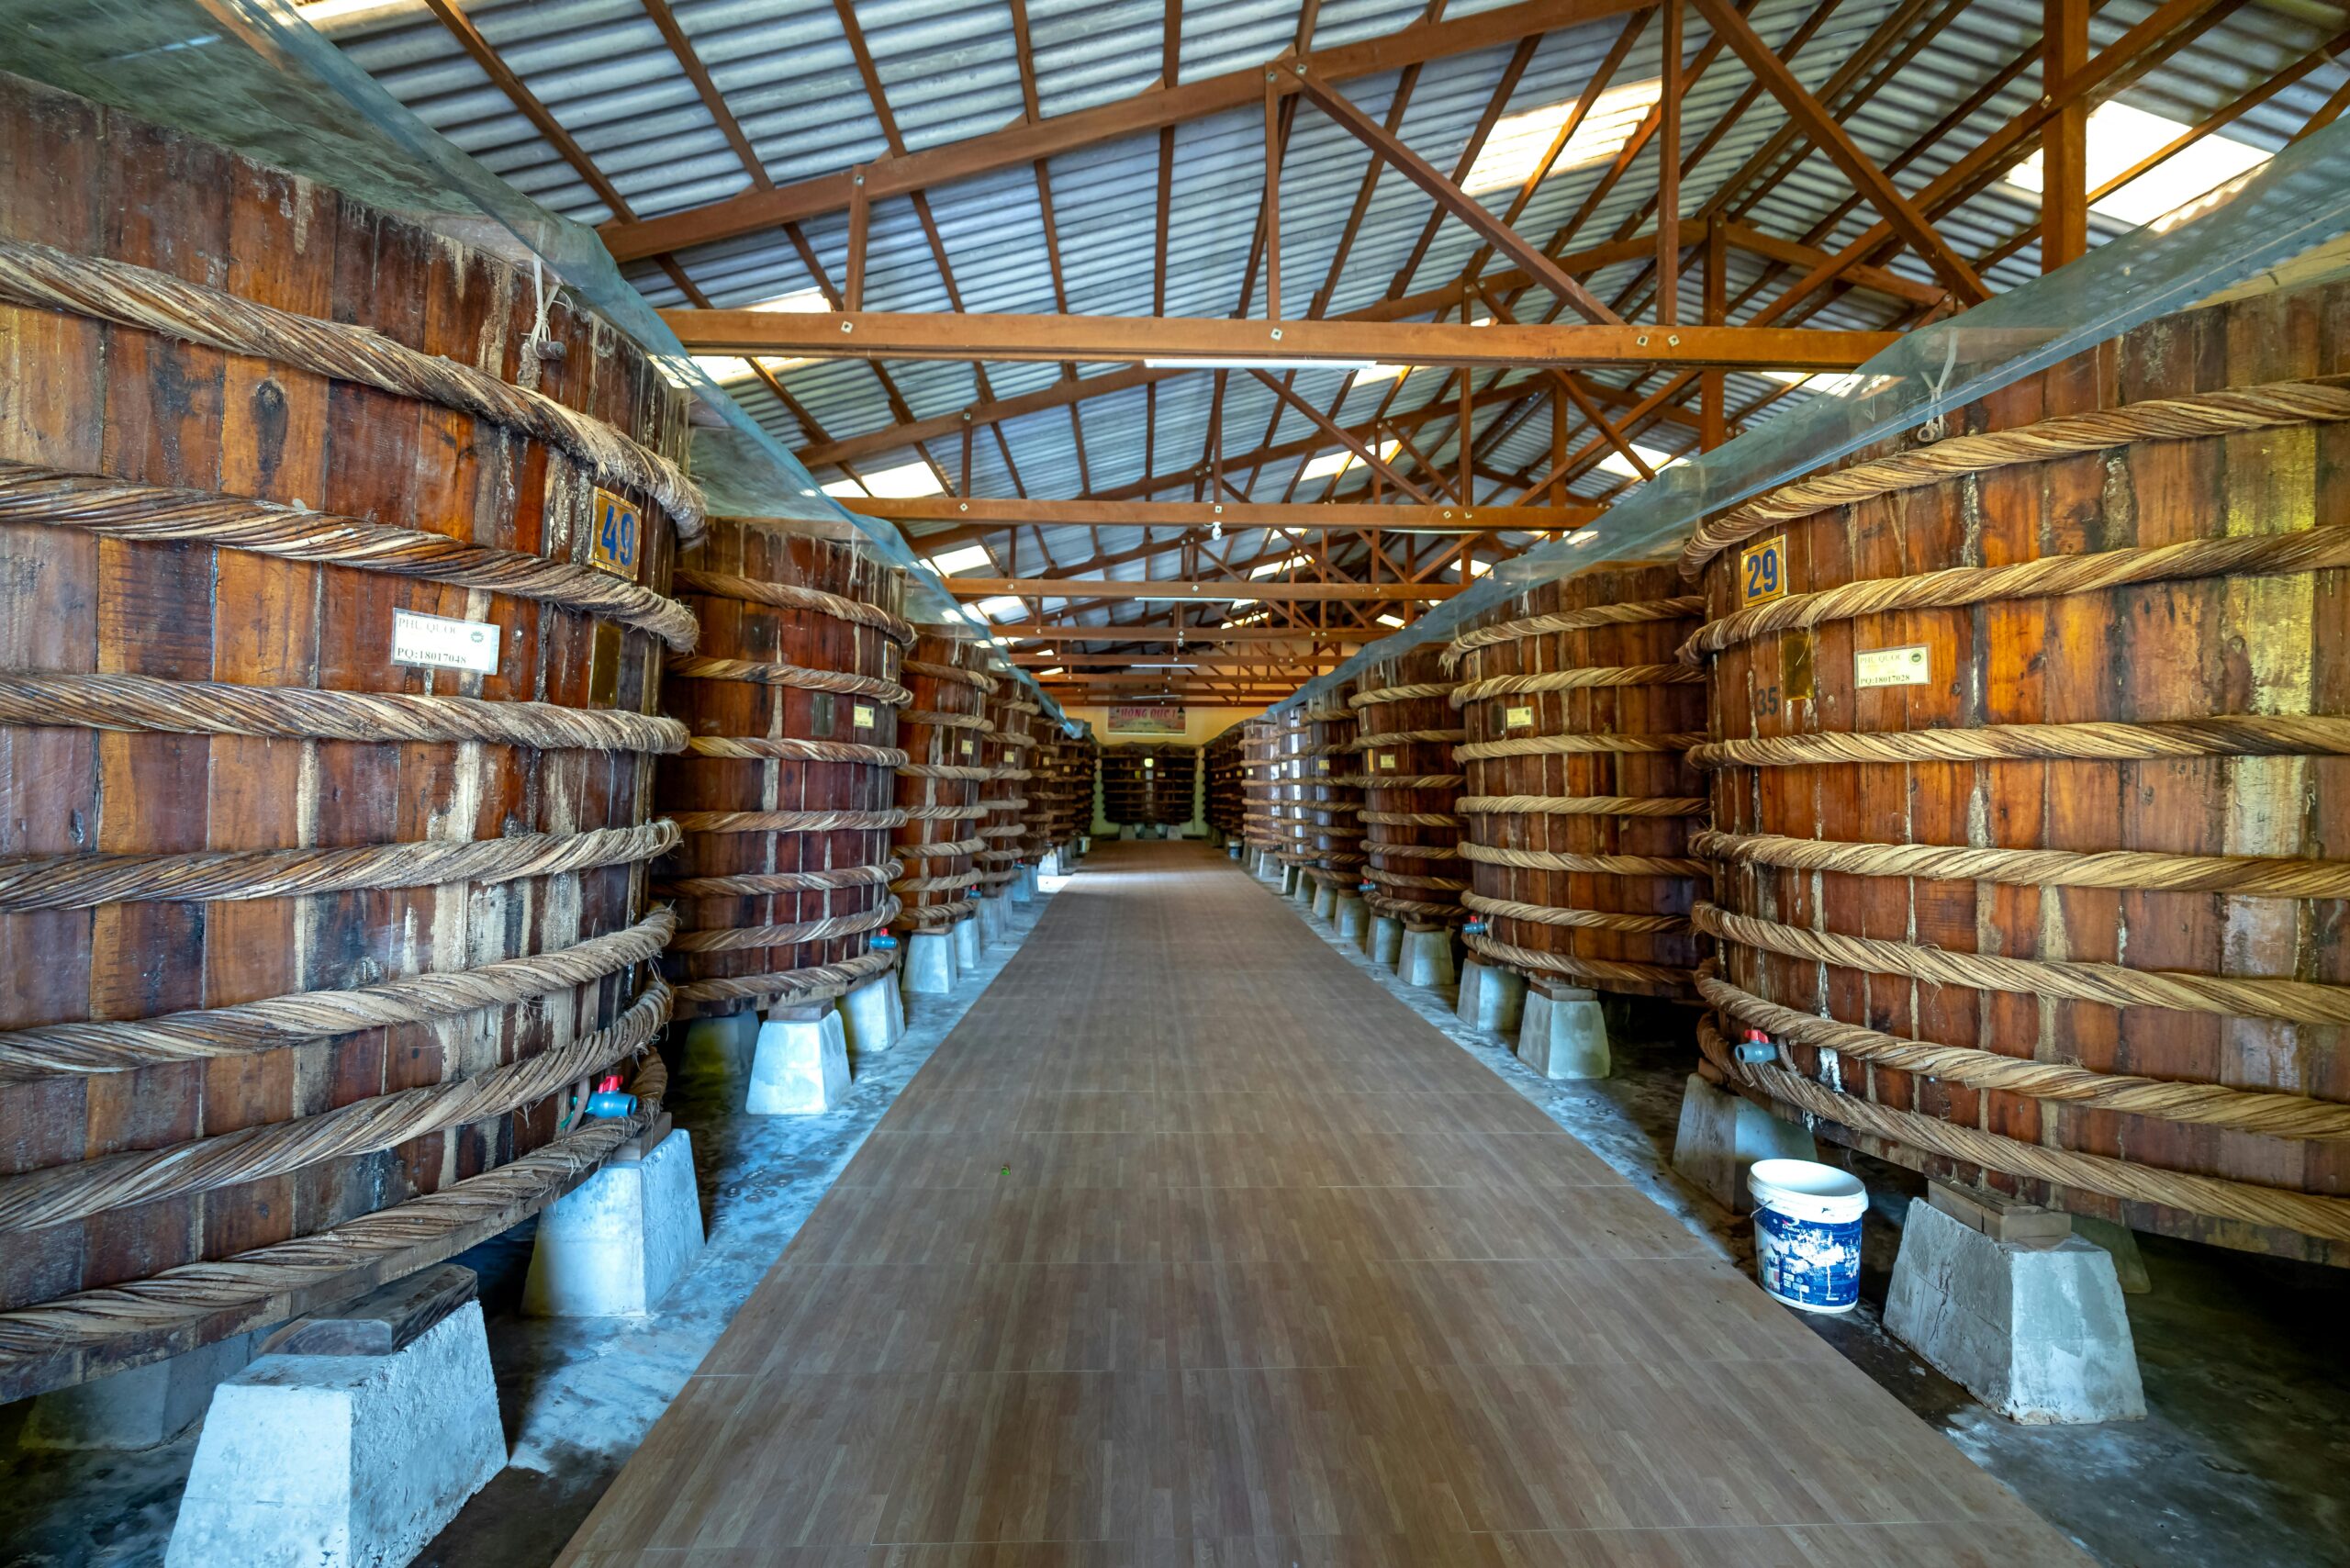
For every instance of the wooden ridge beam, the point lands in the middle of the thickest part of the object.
(1267, 589)
(1044, 631)
(1321, 517)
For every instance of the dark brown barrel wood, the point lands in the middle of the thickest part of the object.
(939, 784)
(156, 866)
(791, 842)
(1150, 782)
(1067, 772)
(1333, 793)
(1411, 833)
(1036, 817)
(1259, 784)
(1010, 747)
(2093, 877)
(1294, 742)
(1221, 758)
(1577, 795)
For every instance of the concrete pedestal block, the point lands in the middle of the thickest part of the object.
(1492, 999)
(967, 944)
(1353, 917)
(1722, 1133)
(142, 1408)
(1050, 865)
(720, 1047)
(1325, 901)
(613, 1246)
(930, 968)
(873, 1015)
(2129, 1263)
(343, 1461)
(1386, 944)
(2039, 1334)
(801, 1066)
(1424, 959)
(1291, 878)
(1022, 889)
(1562, 1033)
(1305, 890)
(995, 920)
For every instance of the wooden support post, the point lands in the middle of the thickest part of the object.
(853, 291)
(1668, 170)
(2064, 161)
(1272, 196)
(1713, 396)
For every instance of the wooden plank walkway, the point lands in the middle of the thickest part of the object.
(1191, 1248)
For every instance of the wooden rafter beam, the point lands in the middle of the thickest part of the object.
(1267, 589)
(1032, 631)
(1319, 517)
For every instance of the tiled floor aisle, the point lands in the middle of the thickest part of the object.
(1191, 1247)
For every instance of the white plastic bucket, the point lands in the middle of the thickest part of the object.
(1807, 1233)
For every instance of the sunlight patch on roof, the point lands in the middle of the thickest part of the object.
(2120, 137)
(1518, 140)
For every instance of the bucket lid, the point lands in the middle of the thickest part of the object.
(1804, 1178)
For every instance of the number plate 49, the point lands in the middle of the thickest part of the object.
(614, 543)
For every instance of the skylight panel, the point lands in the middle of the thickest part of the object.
(1334, 463)
(1518, 140)
(1616, 463)
(2121, 136)
(903, 483)
(1002, 607)
(961, 560)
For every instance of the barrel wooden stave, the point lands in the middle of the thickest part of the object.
(1415, 870)
(930, 744)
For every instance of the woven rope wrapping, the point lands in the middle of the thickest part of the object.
(1582, 805)
(36, 699)
(109, 290)
(2327, 1218)
(817, 982)
(938, 720)
(1570, 621)
(2226, 735)
(59, 1194)
(695, 666)
(789, 822)
(2252, 555)
(2300, 1001)
(1585, 919)
(1591, 865)
(81, 881)
(1573, 746)
(1400, 693)
(1414, 780)
(120, 1044)
(1408, 879)
(1610, 969)
(1576, 680)
(944, 770)
(736, 938)
(790, 748)
(1401, 737)
(2127, 870)
(954, 673)
(953, 884)
(939, 851)
(2201, 1104)
(98, 503)
(758, 884)
(1410, 819)
(792, 596)
(943, 813)
(2225, 412)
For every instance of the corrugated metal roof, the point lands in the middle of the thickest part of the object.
(949, 70)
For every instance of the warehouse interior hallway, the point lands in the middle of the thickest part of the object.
(1193, 1246)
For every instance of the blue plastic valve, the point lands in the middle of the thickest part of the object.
(612, 1103)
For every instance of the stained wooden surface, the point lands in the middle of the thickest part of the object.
(1191, 1245)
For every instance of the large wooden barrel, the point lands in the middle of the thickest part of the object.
(1405, 729)
(1294, 742)
(326, 747)
(1220, 758)
(1036, 817)
(2031, 785)
(1333, 814)
(1067, 766)
(1578, 795)
(1008, 748)
(939, 783)
(1260, 784)
(1147, 783)
(788, 793)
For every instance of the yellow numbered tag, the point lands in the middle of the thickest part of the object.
(1321, 765)
(1387, 759)
(967, 745)
(1763, 570)
(863, 715)
(613, 544)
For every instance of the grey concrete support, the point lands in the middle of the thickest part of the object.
(613, 1246)
(1722, 1133)
(930, 967)
(801, 1065)
(1563, 1033)
(1291, 877)
(1491, 999)
(722, 1045)
(1326, 900)
(995, 920)
(1426, 960)
(1386, 944)
(1353, 917)
(138, 1408)
(1270, 868)
(343, 1461)
(1022, 889)
(2129, 1263)
(2039, 1333)
(873, 1015)
(966, 943)
(1129, 831)
(1050, 865)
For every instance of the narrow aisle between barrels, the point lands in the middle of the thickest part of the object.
(1192, 1243)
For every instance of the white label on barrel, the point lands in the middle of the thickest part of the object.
(863, 715)
(1513, 717)
(1892, 666)
(436, 642)
(967, 745)
(1386, 759)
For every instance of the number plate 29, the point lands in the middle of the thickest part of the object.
(1763, 570)
(615, 537)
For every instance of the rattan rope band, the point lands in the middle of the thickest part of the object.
(2201, 1104)
(2253, 556)
(695, 666)
(1389, 904)
(120, 1044)
(2125, 870)
(953, 884)
(735, 939)
(2300, 1001)
(938, 720)
(1606, 970)
(817, 982)
(2327, 1218)
(1573, 746)
(2226, 735)
(82, 881)
(1593, 865)
(938, 851)
(792, 596)
(944, 813)
(954, 673)
(756, 884)
(792, 748)
(1410, 819)
(49, 699)
(109, 290)
(1414, 781)
(1403, 737)
(1408, 879)
(1589, 919)
(1399, 693)
(116, 509)
(59, 1194)
(1572, 620)
(1580, 805)
(944, 770)
(2227, 412)
(1576, 680)
(789, 822)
